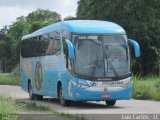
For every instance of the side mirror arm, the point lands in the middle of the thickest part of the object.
(70, 49)
(136, 47)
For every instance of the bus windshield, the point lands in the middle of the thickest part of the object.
(101, 55)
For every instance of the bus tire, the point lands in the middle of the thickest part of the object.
(32, 96)
(63, 102)
(110, 102)
(38, 97)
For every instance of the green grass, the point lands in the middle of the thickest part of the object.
(12, 107)
(9, 79)
(7, 106)
(8, 109)
(31, 106)
(146, 88)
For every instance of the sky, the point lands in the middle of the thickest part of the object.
(11, 9)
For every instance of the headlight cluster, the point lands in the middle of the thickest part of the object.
(80, 85)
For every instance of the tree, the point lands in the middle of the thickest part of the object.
(40, 18)
(10, 38)
(45, 16)
(5, 51)
(15, 32)
(37, 25)
(140, 18)
(69, 18)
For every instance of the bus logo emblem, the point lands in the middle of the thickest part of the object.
(38, 75)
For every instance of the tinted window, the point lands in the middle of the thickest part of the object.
(56, 42)
(50, 49)
(65, 35)
(41, 45)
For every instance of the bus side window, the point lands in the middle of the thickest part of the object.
(56, 41)
(66, 35)
(23, 50)
(42, 45)
(45, 43)
(34, 46)
(65, 48)
(38, 50)
(50, 49)
(28, 50)
(31, 47)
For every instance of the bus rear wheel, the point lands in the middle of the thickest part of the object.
(38, 97)
(63, 102)
(110, 102)
(33, 96)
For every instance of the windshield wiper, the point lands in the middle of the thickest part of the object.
(113, 68)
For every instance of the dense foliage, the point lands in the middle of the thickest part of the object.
(141, 20)
(146, 88)
(10, 37)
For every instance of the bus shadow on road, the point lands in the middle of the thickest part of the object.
(92, 105)
(82, 105)
(79, 105)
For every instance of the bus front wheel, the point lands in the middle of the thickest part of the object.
(110, 102)
(63, 102)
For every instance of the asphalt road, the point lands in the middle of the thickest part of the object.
(90, 109)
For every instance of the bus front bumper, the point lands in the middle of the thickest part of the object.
(80, 94)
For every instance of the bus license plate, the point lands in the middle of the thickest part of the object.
(105, 96)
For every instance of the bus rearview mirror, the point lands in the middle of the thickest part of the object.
(70, 49)
(136, 47)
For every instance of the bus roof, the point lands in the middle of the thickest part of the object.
(81, 27)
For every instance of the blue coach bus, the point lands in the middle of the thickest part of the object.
(78, 60)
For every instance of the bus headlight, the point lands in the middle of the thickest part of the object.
(80, 85)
